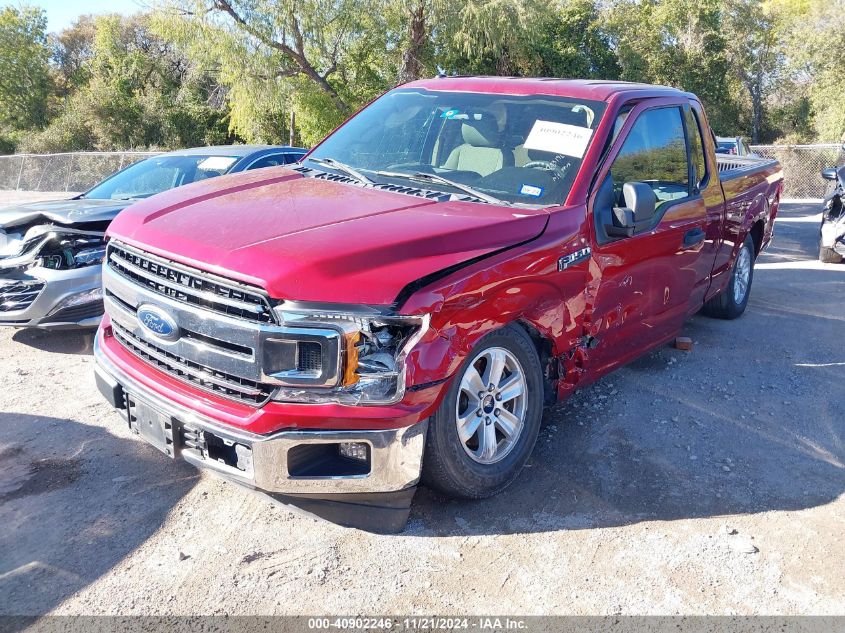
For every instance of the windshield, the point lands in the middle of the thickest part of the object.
(511, 148)
(154, 175)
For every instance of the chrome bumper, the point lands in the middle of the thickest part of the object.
(395, 454)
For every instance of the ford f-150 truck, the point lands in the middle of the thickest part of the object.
(402, 304)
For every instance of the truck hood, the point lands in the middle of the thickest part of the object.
(311, 239)
(76, 211)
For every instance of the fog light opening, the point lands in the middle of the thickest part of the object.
(88, 296)
(359, 451)
(329, 459)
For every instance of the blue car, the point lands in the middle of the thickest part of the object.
(50, 252)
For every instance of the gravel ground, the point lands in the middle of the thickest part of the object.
(694, 482)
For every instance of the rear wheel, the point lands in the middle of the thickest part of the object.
(732, 301)
(485, 429)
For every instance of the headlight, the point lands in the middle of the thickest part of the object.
(373, 351)
(73, 253)
(50, 246)
(88, 256)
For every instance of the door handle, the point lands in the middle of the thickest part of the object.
(693, 237)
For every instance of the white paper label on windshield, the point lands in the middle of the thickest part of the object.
(216, 162)
(558, 138)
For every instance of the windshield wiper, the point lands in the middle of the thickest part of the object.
(350, 171)
(437, 178)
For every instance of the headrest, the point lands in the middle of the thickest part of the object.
(481, 132)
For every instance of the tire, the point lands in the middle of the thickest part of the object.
(829, 256)
(472, 468)
(732, 301)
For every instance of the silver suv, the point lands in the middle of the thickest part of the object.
(50, 252)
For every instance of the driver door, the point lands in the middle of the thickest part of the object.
(644, 281)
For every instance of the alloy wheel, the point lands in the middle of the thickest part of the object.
(492, 405)
(742, 275)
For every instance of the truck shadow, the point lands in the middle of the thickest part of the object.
(750, 421)
(74, 500)
(59, 341)
(670, 454)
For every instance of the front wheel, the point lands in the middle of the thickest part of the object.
(732, 301)
(485, 429)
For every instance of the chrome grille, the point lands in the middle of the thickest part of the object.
(188, 285)
(19, 295)
(211, 380)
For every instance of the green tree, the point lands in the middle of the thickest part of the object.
(679, 43)
(24, 73)
(131, 89)
(319, 58)
(573, 42)
(491, 36)
(474, 36)
(72, 51)
(815, 42)
(755, 53)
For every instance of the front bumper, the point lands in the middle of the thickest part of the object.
(273, 463)
(49, 308)
(833, 235)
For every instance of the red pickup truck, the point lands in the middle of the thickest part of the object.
(402, 304)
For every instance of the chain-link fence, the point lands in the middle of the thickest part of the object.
(802, 166)
(78, 171)
(72, 171)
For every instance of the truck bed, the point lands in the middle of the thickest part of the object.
(731, 167)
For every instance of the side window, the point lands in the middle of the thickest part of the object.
(292, 158)
(655, 153)
(696, 146)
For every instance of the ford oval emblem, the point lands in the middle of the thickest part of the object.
(158, 323)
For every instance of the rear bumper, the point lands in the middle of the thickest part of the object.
(277, 462)
(66, 299)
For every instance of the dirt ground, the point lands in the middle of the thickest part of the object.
(19, 197)
(695, 482)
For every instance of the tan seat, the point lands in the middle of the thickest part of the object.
(480, 151)
(520, 155)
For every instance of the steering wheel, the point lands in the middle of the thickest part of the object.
(548, 165)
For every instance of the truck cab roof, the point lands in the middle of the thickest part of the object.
(595, 89)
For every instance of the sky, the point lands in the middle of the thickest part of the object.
(63, 13)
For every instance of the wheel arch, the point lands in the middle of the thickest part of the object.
(757, 232)
(548, 362)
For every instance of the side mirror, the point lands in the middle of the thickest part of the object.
(640, 198)
(829, 173)
(640, 205)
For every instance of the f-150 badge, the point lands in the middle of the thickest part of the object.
(573, 258)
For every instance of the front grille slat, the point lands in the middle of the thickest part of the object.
(19, 295)
(206, 378)
(190, 286)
